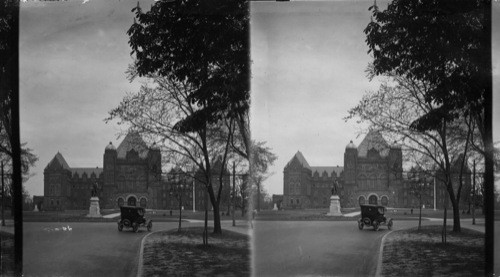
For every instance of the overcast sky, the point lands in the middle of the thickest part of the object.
(72, 69)
(308, 69)
(308, 63)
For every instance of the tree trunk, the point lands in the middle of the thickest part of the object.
(474, 195)
(205, 227)
(456, 216)
(3, 199)
(234, 192)
(217, 226)
(443, 231)
(420, 213)
(180, 214)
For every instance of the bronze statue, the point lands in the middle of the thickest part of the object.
(93, 193)
(334, 188)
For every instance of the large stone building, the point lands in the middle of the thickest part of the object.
(131, 175)
(372, 174)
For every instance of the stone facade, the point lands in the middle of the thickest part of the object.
(131, 175)
(372, 174)
(308, 186)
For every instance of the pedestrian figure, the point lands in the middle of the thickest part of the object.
(411, 210)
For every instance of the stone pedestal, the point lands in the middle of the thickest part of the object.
(275, 207)
(94, 210)
(334, 206)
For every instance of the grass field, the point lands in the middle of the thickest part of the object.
(172, 253)
(7, 252)
(420, 253)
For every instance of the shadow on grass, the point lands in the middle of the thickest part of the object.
(7, 265)
(183, 254)
(421, 253)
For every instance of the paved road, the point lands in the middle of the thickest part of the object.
(332, 248)
(89, 249)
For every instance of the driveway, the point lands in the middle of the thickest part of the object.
(324, 248)
(88, 249)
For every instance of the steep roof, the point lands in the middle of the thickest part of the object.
(328, 169)
(58, 158)
(301, 160)
(89, 170)
(132, 141)
(373, 140)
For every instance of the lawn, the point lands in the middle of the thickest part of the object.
(7, 251)
(421, 253)
(170, 253)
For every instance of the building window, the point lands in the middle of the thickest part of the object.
(131, 201)
(120, 202)
(384, 201)
(373, 200)
(143, 202)
(361, 200)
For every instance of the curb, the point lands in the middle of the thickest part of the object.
(380, 254)
(141, 253)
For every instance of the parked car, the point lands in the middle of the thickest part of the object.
(133, 217)
(373, 215)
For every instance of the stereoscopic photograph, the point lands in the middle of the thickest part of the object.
(249, 138)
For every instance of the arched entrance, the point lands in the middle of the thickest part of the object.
(384, 201)
(143, 202)
(372, 200)
(131, 201)
(361, 200)
(121, 202)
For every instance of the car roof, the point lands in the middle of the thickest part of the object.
(132, 207)
(371, 205)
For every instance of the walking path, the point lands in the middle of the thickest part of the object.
(111, 215)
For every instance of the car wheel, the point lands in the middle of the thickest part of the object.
(150, 226)
(360, 225)
(375, 225)
(135, 227)
(389, 225)
(120, 227)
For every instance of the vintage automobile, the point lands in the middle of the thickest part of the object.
(133, 217)
(373, 215)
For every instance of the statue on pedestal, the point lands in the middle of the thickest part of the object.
(335, 188)
(334, 201)
(93, 192)
(94, 210)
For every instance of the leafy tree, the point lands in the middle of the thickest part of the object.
(205, 43)
(443, 43)
(393, 109)
(153, 112)
(204, 46)
(447, 44)
(9, 112)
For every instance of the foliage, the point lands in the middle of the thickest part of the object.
(443, 43)
(205, 43)
(393, 109)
